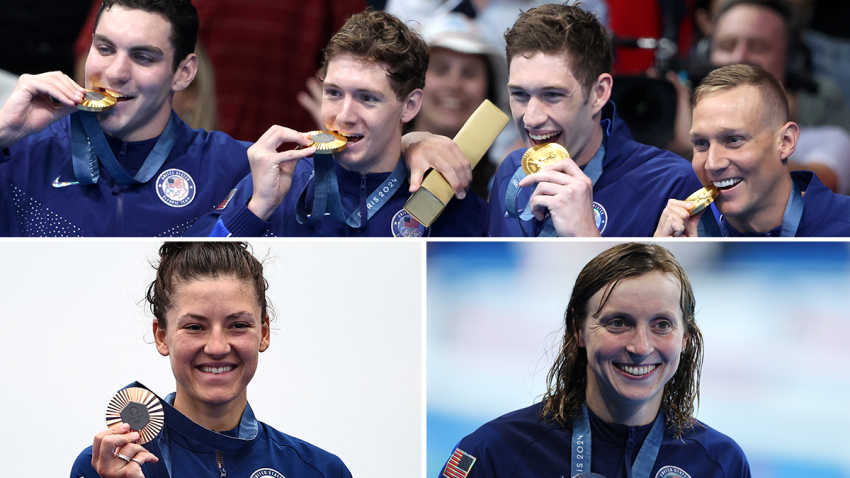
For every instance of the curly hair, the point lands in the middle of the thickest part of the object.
(183, 262)
(567, 379)
(379, 37)
(555, 29)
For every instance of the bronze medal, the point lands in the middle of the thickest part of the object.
(327, 142)
(139, 408)
(539, 156)
(97, 101)
(701, 199)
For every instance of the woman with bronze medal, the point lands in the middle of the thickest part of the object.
(620, 399)
(212, 321)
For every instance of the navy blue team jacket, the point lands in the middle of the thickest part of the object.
(465, 218)
(519, 445)
(636, 182)
(252, 450)
(200, 170)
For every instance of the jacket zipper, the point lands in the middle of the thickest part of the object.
(219, 460)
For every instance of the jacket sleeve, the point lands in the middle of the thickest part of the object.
(232, 216)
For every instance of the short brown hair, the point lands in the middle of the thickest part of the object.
(732, 76)
(183, 262)
(563, 29)
(379, 37)
(567, 380)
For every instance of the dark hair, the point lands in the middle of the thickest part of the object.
(729, 77)
(780, 7)
(379, 37)
(181, 14)
(567, 380)
(563, 29)
(183, 262)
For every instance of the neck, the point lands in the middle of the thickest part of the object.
(769, 215)
(217, 418)
(622, 411)
(592, 146)
(384, 162)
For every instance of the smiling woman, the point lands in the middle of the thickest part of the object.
(621, 392)
(212, 321)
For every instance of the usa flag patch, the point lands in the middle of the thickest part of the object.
(459, 464)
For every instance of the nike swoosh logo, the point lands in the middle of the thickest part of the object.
(57, 184)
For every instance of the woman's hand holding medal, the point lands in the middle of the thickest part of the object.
(116, 453)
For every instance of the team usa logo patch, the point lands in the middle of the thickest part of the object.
(600, 215)
(405, 225)
(267, 472)
(175, 187)
(459, 464)
(672, 472)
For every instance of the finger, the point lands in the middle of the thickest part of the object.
(119, 428)
(554, 177)
(134, 450)
(416, 180)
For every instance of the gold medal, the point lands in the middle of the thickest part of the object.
(327, 142)
(539, 156)
(97, 101)
(701, 199)
(139, 408)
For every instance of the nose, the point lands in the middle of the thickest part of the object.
(741, 53)
(715, 159)
(535, 115)
(639, 344)
(118, 71)
(217, 343)
(346, 115)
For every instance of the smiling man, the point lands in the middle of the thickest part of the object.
(742, 139)
(559, 60)
(133, 170)
(374, 70)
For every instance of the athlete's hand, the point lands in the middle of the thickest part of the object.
(311, 100)
(272, 170)
(30, 108)
(423, 151)
(567, 193)
(109, 443)
(676, 221)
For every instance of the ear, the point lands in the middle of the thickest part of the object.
(788, 135)
(579, 336)
(185, 73)
(412, 105)
(684, 342)
(266, 335)
(159, 337)
(601, 92)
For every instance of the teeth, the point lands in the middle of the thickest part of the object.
(637, 371)
(217, 370)
(352, 135)
(726, 183)
(451, 103)
(114, 94)
(542, 137)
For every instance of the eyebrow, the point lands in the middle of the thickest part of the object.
(356, 90)
(141, 48)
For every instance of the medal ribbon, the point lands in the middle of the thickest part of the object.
(88, 144)
(593, 170)
(326, 194)
(790, 219)
(642, 467)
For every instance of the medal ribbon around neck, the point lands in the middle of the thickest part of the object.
(88, 144)
(593, 170)
(326, 194)
(790, 219)
(642, 467)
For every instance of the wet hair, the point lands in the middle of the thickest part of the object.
(732, 76)
(184, 262)
(563, 29)
(381, 38)
(567, 380)
(181, 15)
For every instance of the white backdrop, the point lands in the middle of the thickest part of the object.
(343, 370)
